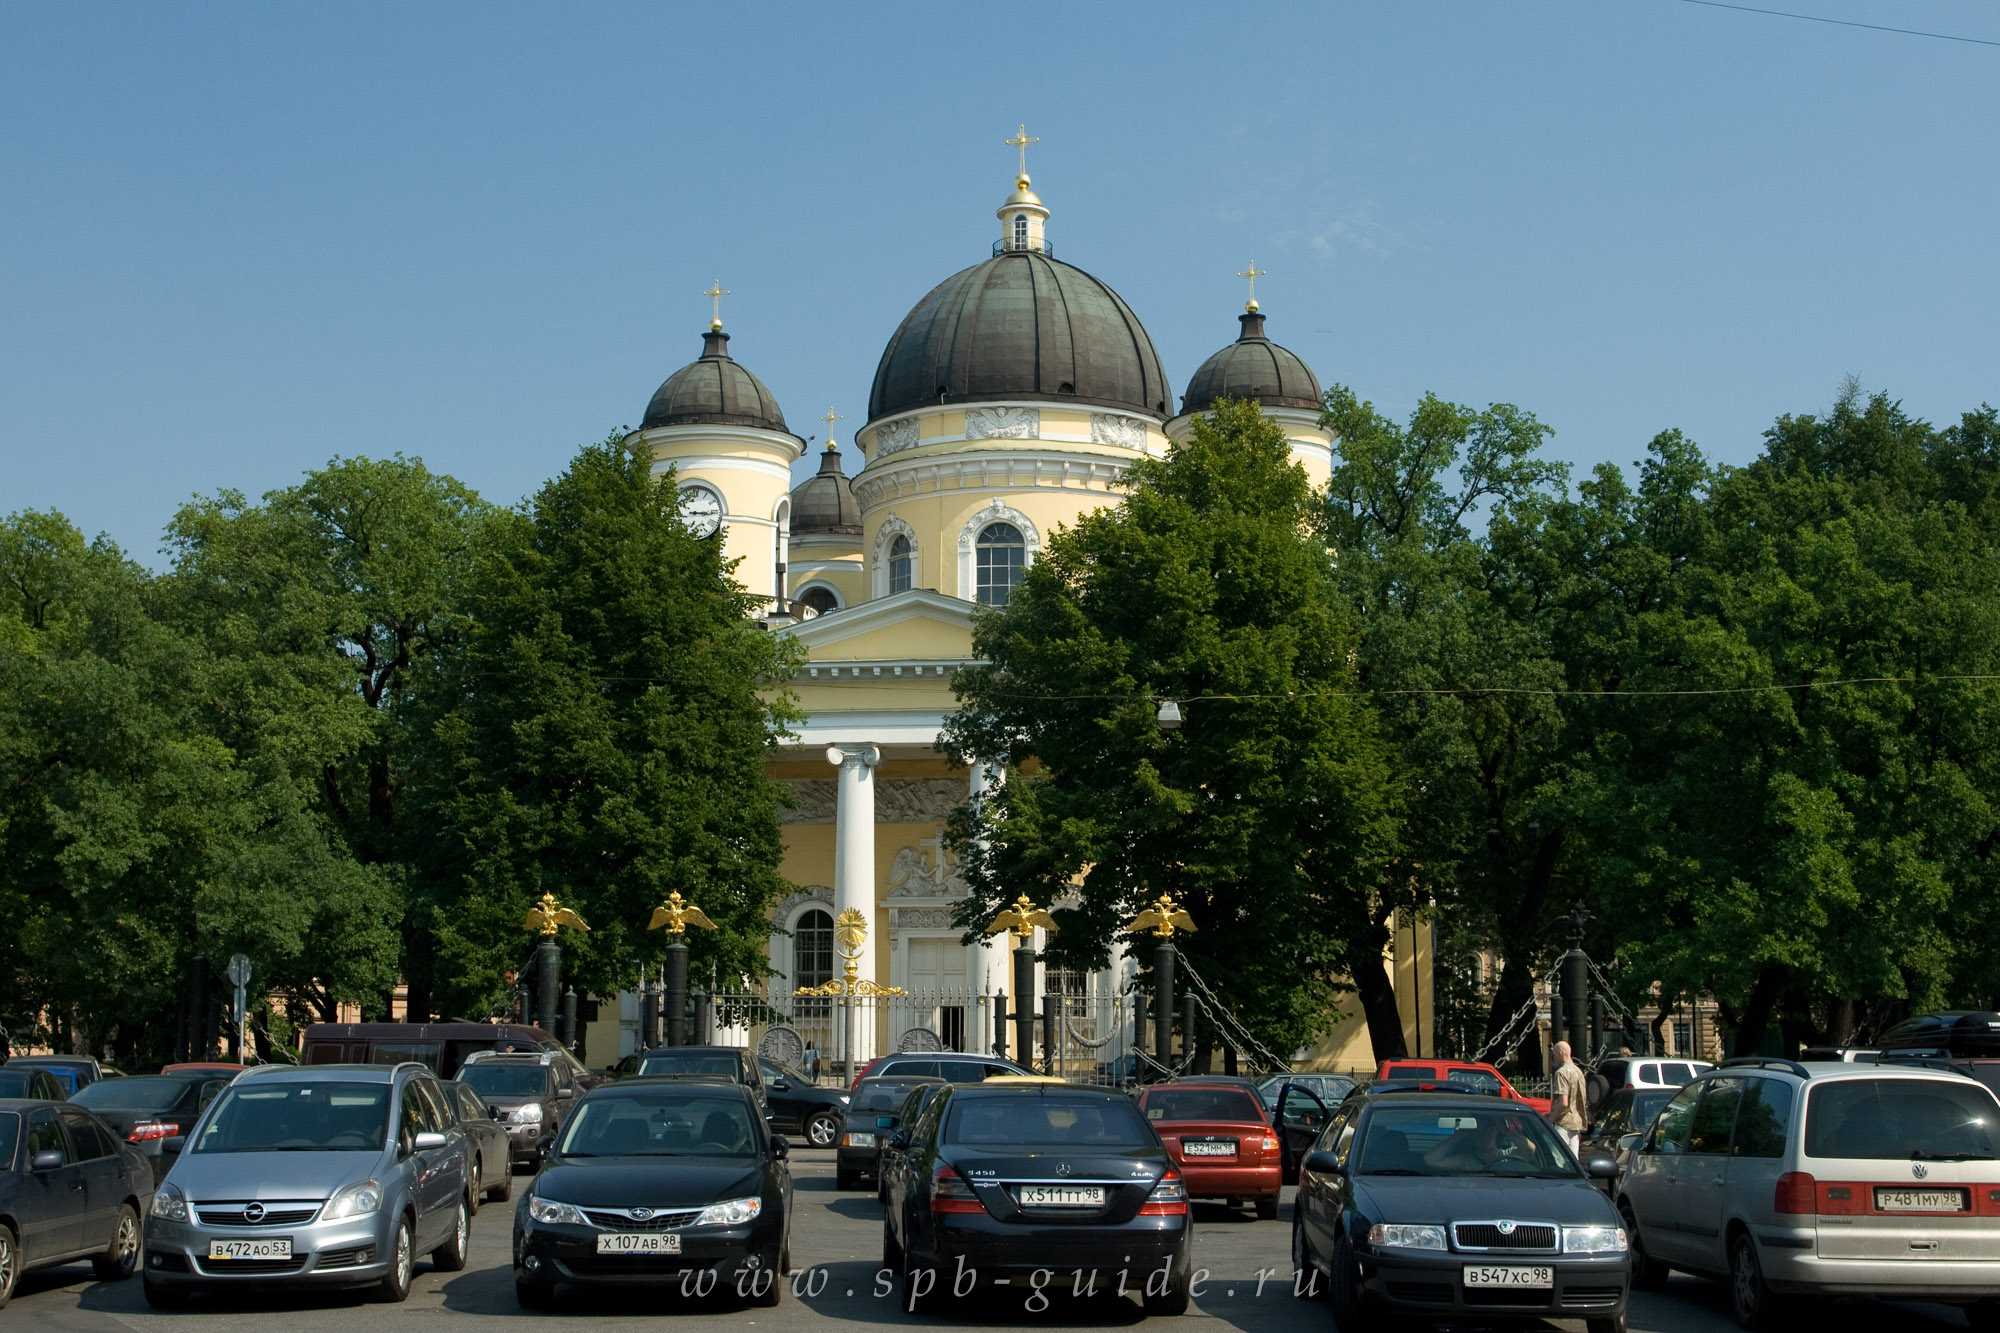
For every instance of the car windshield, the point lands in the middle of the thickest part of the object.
(662, 1123)
(1902, 1119)
(17, 1083)
(498, 1080)
(10, 1138)
(678, 1062)
(298, 1117)
(1200, 1104)
(1416, 1140)
(132, 1094)
(1046, 1122)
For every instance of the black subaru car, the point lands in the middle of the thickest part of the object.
(672, 1183)
(1008, 1186)
(1453, 1206)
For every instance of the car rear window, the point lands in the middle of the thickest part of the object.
(1046, 1122)
(1901, 1119)
(1411, 1071)
(496, 1080)
(132, 1094)
(1676, 1073)
(1200, 1104)
(298, 1117)
(676, 1062)
(17, 1083)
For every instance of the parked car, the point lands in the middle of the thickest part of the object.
(19, 1083)
(1219, 1137)
(1471, 1074)
(525, 1093)
(1632, 1071)
(1986, 1071)
(895, 1136)
(1790, 1180)
(151, 1110)
(440, 1047)
(487, 1143)
(72, 1071)
(69, 1190)
(950, 1066)
(871, 1118)
(1005, 1182)
(1331, 1089)
(312, 1176)
(654, 1179)
(1450, 1206)
(1961, 1032)
(730, 1062)
(798, 1106)
(1626, 1111)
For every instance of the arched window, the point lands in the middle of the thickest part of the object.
(899, 565)
(820, 600)
(1003, 554)
(812, 949)
(1020, 231)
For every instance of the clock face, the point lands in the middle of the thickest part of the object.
(701, 510)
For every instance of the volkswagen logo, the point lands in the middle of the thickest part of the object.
(1505, 1228)
(1919, 1170)
(253, 1213)
(639, 1214)
(1063, 1170)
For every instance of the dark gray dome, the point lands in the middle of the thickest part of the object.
(824, 502)
(1020, 325)
(1255, 369)
(714, 391)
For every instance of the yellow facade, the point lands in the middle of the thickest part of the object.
(751, 470)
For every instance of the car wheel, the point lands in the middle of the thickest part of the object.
(162, 1297)
(1345, 1291)
(767, 1285)
(119, 1258)
(823, 1130)
(1309, 1289)
(395, 1285)
(1267, 1208)
(10, 1264)
(845, 1180)
(892, 1252)
(530, 1296)
(450, 1256)
(1757, 1306)
(478, 1190)
(1174, 1300)
(1983, 1314)
(1648, 1273)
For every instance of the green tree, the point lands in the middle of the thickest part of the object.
(602, 737)
(1269, 813)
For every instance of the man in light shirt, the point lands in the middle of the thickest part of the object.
(1572, 1093)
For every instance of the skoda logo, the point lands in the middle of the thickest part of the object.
(254, 1213)
(1504, 1228)
(1919, 1170)
(1063, 1170)
(640, 1214)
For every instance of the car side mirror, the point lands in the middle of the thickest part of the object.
(48, 1159)
(1630, 1142)
(1320, 1164)
(428, 1141)
(1599, 1167)
(564, 1094)
(781, 1086)
(780, 1149)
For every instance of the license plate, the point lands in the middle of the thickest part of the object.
(1061, 1196)
(642, 1242)
(266, 1247)
(1497, 1275)
(1920, 1201)
(1209, 1149)
(860, 1140)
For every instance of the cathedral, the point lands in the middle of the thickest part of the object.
(1010, 401)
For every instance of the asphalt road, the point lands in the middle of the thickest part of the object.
(837, 1246)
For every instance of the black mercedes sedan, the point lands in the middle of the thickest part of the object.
(676, 1184)
(1010, 1188)
(1453, 1206)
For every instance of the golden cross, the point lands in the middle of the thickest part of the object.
(1252, 273)
(831, 417)
(1021, 140)
(716, 293)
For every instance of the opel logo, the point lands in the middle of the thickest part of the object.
(1504, 1228)
(254, 1213)
(1919, 1170)
(641, 1214)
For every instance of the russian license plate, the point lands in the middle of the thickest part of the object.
(639, 1242)
(1508, 1275)
(860, 1140)
(1209, 1149)
(1061, 1196)
(264, 1247)
(1920, 1201)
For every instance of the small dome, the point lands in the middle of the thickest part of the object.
(1255, 369)
(714, 391)
(824, 502)
(1020, 326)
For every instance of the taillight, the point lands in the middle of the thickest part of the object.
(146, 1131)
(1797, 1194)
(1168, 1199)
(950, 1193)
(1267, 1143)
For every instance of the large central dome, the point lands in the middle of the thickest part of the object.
(1020, 326)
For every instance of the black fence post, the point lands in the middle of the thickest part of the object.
(566, 1032)
(677, 992)
(1000, 1025)
(1163, 1003)
(1024, 1006)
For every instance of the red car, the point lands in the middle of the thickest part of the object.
(1464, 1073)
(1220, 1138)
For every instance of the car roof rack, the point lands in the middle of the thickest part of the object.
(1765, 1062)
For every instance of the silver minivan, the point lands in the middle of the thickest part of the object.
(314, 1176)
(1793, 1180)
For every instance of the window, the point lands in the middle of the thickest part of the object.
(1903, 1119)
(1670, 1131)
(1716, 1117)
(900, 553)
(1002, 555)
(819, 601)
(812, 949)
(44, 1135)
(89, 1140)
(1020, 231)
(1761, 1123)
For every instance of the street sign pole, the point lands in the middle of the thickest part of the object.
(239, 977)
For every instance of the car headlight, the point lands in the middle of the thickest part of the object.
(1401, 1236)
(548, 1210)
(1594, 1240)
(531, 1114)
(170, 1203)
(731, 1213)
(356, 1200)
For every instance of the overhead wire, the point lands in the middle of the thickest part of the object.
(1842, 23)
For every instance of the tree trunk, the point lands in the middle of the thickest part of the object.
(1840, 1022)
(1757, 1009)
(1378, 995)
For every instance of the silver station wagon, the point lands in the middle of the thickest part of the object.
(1791, 1181)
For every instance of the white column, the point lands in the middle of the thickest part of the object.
(854, 840)
(989, 962)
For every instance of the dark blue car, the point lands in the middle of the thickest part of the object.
(69, 1190)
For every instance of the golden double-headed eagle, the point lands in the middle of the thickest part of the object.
(546, 915)
(1163, 918)
(1022, 918)
(677, 914)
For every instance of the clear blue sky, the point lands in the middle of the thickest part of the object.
(238, 240)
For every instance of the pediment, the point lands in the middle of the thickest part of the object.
(914, 624)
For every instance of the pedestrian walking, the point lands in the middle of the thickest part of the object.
(812, 1062)
(1571, 1102)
